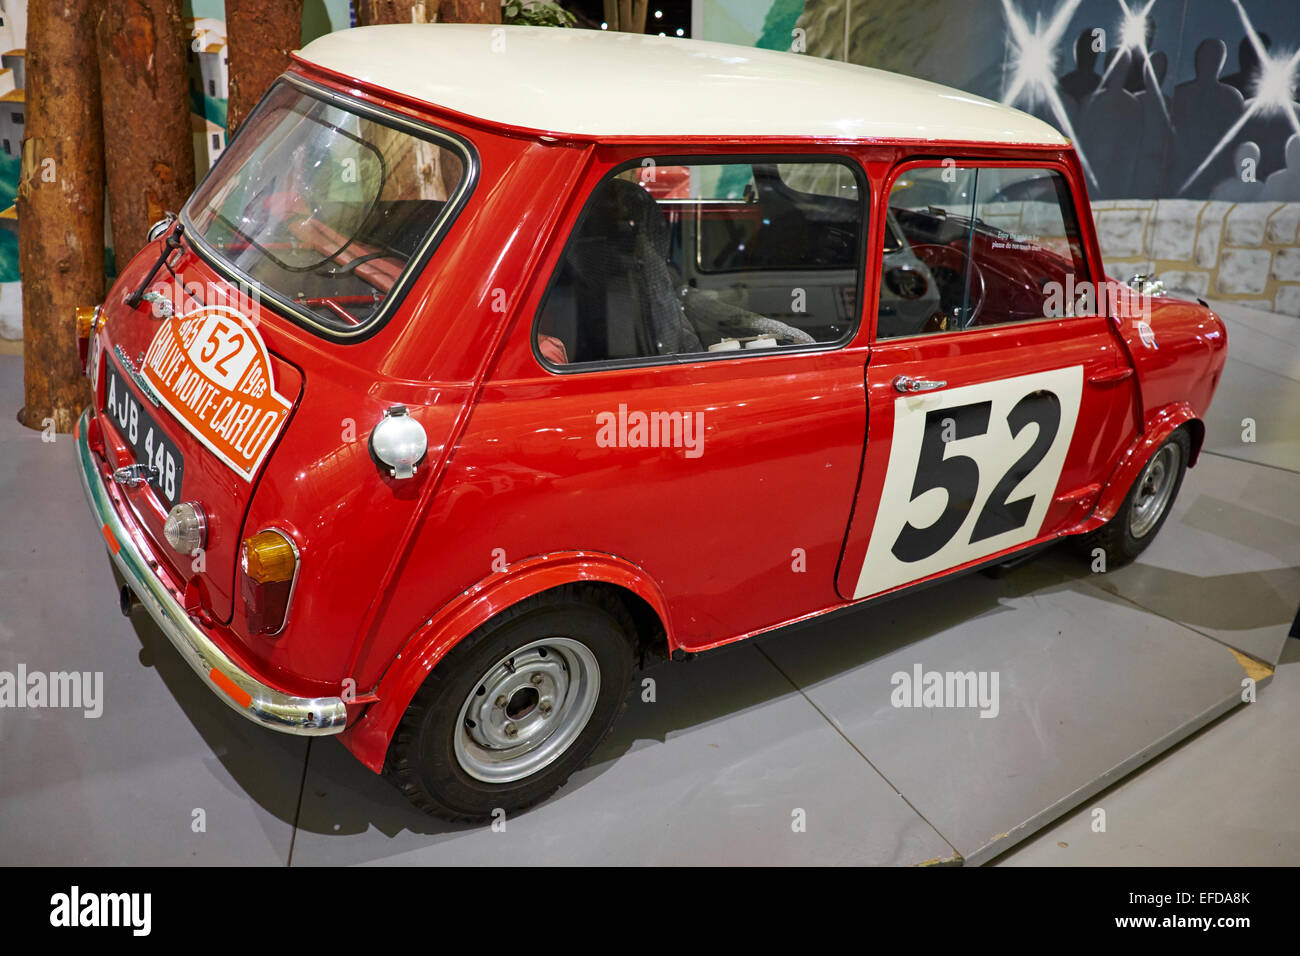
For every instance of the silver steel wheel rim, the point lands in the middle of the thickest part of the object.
(1155, 487)
(527, 710)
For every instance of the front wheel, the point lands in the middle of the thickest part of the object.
(515, 708)
(1147, 504)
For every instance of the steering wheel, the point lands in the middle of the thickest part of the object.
(948, 267)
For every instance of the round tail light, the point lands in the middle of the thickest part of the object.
(186, 527)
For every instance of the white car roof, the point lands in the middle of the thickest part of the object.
(591, 83)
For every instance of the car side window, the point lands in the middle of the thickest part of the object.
(968, 247)
(673, 259)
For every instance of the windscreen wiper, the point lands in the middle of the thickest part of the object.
(170, 245)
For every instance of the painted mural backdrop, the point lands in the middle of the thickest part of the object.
(13, 115)
(210, 70)
(1184, 111)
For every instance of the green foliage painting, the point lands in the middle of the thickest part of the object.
(778, 27)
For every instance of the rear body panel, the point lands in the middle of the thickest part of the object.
(352, 523)
(127, 335)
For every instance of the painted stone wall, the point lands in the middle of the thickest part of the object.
(1247, 251)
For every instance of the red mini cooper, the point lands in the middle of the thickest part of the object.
(489, 363)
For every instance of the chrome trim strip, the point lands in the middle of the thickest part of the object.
(271, 708)
(133, 370)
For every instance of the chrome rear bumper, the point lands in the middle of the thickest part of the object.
(259, 702)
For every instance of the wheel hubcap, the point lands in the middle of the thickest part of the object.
(527, 710)
(1155, 487)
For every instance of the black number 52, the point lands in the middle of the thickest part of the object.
(959, 475)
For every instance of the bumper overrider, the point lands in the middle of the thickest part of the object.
(259, 702)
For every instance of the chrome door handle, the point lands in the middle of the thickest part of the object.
(905, 383)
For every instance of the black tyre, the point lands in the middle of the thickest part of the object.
(515, 708)
(1147, 504)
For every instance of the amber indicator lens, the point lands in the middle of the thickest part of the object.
(85, 320)
(268, 558)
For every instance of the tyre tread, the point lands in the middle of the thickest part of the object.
(399, 763)
(1113, 537)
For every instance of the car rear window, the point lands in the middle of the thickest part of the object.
(328, 206)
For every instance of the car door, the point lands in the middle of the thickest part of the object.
(737, 511)
(994, 420)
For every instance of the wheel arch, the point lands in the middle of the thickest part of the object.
(1159, 425)
(368, 738)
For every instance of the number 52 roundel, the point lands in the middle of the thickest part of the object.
(212, 371)
(972, 471)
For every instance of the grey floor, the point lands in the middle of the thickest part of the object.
(1119, 693)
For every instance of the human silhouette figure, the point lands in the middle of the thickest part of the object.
(1109, 124)
(1134, 81)
(1247, 65)
(1082, 81)
(1284, 185)
(1235, 188)
(1149, 180)
(1204, 110)
(1160, 69)
(1270, 128)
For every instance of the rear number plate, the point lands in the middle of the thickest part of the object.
(146, 439)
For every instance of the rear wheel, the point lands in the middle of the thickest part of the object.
(1147, 504)
(515, 708)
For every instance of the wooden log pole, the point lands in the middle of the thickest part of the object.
(143, 73)
(469, 11)
(372, 12)
(260, 35)
(60, 208)
(637, 22)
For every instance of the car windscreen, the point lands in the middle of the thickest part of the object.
(327, 208)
